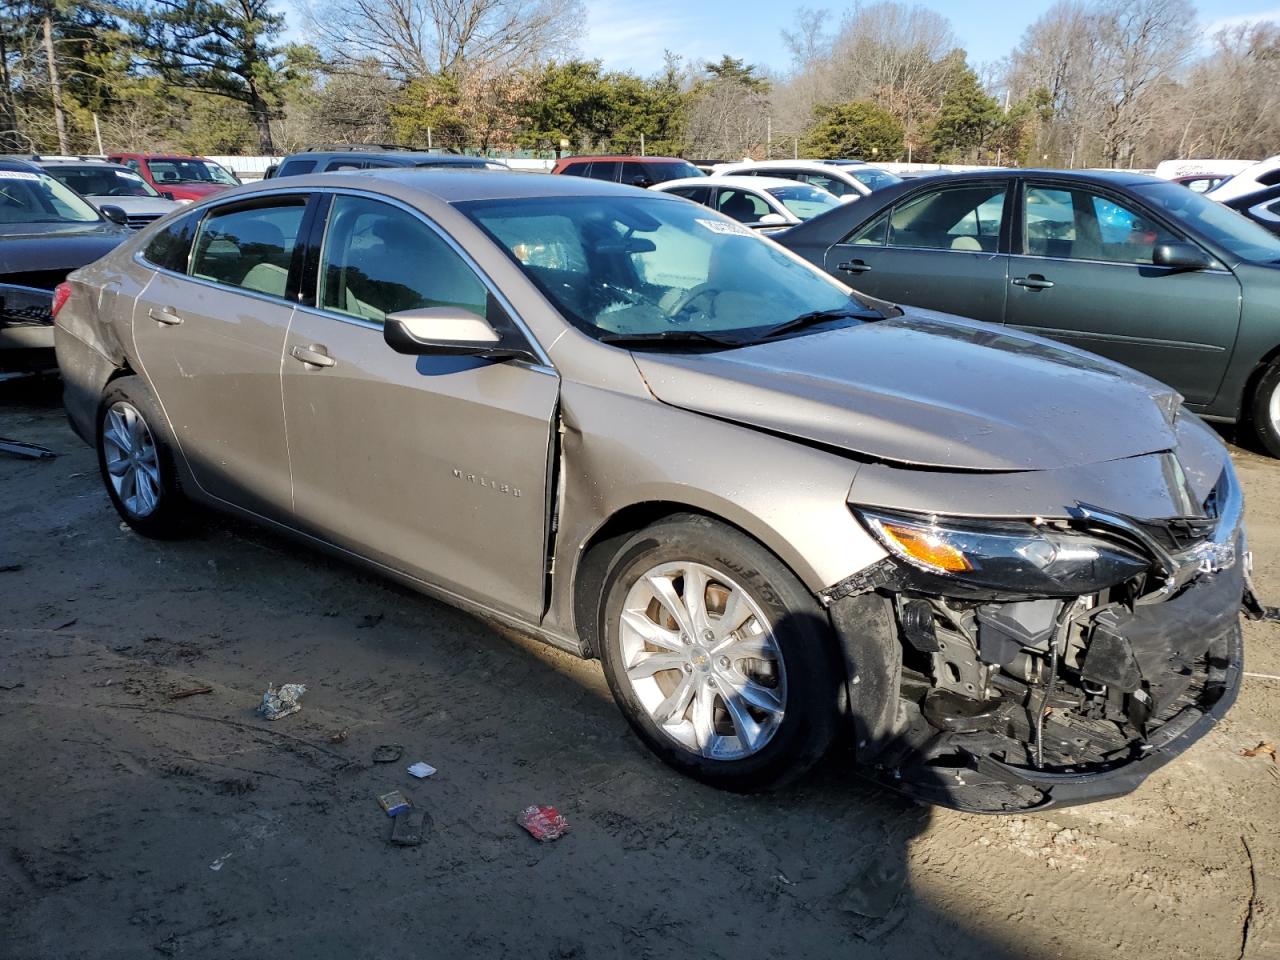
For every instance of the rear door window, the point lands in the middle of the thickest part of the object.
(170, 248)
(958, 218)
(1083, 225)
(605, 170)
(249, 247)
(340, 163)
(637, 174)
(379, 259)
(293, 168)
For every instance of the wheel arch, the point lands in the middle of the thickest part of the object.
(601, 547)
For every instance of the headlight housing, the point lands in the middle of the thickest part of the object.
(1006, 555)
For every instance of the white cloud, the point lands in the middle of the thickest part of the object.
(1211, 27)
(630, 36)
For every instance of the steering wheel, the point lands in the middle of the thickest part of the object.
(685, 299)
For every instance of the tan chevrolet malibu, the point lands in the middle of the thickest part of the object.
(779, 512)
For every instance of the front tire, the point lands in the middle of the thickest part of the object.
(718, 656)
(1265, 410)
(136, 462)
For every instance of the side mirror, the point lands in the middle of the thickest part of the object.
(642, 182)
(442, 332)
(167, 194)
(114, 214)
(1180, 256)
(772, 220)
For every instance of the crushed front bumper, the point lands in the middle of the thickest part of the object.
(1200, 624)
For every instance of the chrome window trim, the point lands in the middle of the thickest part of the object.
(543, 359)
(1122, 263)
(884, 246)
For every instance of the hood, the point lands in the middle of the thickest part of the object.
(190, 191)
(42, 254)
(931, 391)
(158, 206)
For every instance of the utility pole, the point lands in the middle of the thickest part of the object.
(97, 133)
(642, 153)
(795, 148)
(428, 138)
(768, 138)
(55, 85)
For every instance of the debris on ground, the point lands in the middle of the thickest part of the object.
(369, 620)
(10, 566)
(421, 770)
(408, 827)
(28, 451)
(1261, 750)
(282, 702)
(393, 802)
(388, 753)
(217, 864)
(876, 888)
(543, 823)
(340, 736)
(193, 692)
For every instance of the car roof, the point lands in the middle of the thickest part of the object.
(408, 157)
(630, 157)
(159, 156)
(87, 162)
(729, 180)
(18, 165)
(450, 186)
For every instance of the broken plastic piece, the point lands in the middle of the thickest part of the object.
(408, 827)
(28, 451)
(421, 770)
(393, 802)
(388, 753)
(282, 702)
(543, 823)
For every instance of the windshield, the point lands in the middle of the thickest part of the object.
(672, 170)
(657, 267)
(175, 170)
(38, 198)
(804, 201)
(1222, 225)
(872, 178)
(103, 181)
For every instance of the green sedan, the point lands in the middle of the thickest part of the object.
(1134, 268)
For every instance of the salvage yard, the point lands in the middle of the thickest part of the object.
(140, 824)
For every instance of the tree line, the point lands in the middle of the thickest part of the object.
(1091, 83)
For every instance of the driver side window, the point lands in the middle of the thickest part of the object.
(1081, 225)
(378, 259)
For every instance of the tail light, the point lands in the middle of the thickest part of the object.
(61, 294)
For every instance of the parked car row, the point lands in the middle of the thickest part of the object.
(775, 507)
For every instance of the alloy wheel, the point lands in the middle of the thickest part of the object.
(702, 659)
(133, 465)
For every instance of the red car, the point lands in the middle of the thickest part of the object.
(634, 171)
(178, 177)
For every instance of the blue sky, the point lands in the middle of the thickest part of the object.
(631, 34)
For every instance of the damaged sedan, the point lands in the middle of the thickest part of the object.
(777, 511)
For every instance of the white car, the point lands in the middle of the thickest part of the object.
(847, 179)
(1258, 176)
(106, 184)
(759, 202)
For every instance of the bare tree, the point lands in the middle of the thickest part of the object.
(420, 38)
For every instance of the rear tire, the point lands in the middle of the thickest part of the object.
(720, 659)
(136, 461)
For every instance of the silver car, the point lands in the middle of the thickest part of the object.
(778, 512)
(117, 191)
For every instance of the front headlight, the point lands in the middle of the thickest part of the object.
(1006, 555)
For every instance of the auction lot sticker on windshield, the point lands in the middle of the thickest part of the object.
(18, 175)
(729, 229)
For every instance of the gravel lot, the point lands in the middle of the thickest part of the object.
(135, 825)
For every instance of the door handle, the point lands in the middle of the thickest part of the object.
(853, 266)
(317, 355)
(1033, 282)
(164, 315)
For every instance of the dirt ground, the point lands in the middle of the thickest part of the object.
(133, 824)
